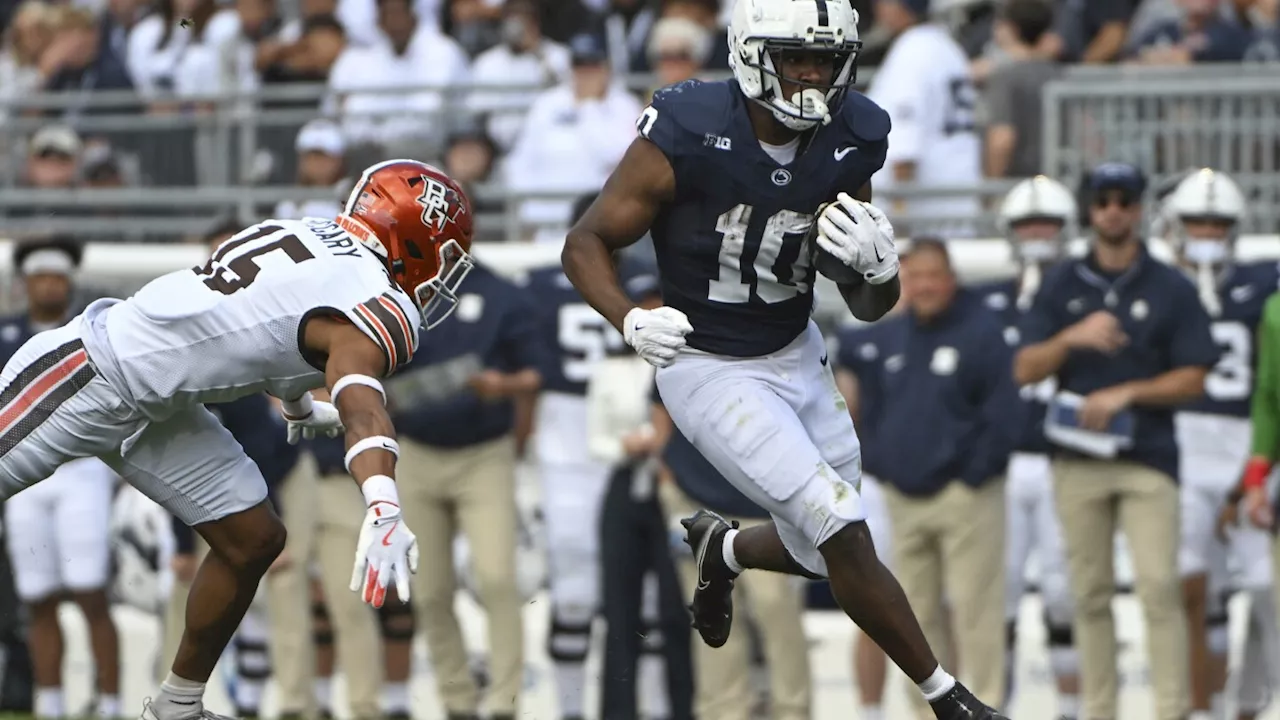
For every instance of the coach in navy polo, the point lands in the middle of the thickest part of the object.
(456, 408)
(945, 418)
(1128, 333)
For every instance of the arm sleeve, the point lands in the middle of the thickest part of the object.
(1266, 392)
(1001, 412)
(603, 441)
(1193, 344)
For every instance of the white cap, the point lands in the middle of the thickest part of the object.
(56, 138)
(321, 136)
(47, 261)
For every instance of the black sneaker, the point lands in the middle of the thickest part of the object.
(960, 704)
(712, 605)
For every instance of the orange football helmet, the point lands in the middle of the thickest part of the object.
(418, 220)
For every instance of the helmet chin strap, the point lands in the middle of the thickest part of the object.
(812, 103)
(802, 111)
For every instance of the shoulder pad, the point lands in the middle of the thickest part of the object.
(864, 118)
(694, 106)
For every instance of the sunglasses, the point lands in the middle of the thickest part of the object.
(1124, 201)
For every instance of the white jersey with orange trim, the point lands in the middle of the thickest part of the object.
(234, 326)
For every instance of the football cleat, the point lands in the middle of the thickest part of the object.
(712, 606)
(960, 704)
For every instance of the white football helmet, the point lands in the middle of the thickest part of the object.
(1040, 198)
(761, 30)
(142, 546)
(1213, 198)
(1205, 195)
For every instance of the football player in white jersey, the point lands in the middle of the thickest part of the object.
(1038, 217)
(284, 307)
(1201, 218)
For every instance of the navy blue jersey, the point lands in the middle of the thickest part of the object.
(493, 328)
(1001, 298)
(15, 330)
(574, 336)
(731, 246)
(1243, 292)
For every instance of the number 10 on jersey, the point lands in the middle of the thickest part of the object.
(785, 230)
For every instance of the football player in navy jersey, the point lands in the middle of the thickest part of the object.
(1201, 219)
(730, 178)
(1038, 218)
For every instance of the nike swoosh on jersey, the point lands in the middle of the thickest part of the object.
(841, 152)
(823, 361)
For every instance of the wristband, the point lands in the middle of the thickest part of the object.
(297, 409)
(375, 442)
(1255, 473)
(380, 488)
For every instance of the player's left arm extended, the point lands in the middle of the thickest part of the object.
(870, 302)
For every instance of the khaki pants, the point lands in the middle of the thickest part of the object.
(1094, 499)
(723, 689)
(472, 490)
(289, 593)
(339, 509)
(951, 544)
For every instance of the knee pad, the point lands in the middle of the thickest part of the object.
(1058, 634)
(397, 621)
(569, 641)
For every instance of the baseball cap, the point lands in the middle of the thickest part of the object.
(587, 49)
(1117, 176)
(321, 136)
(59, 139)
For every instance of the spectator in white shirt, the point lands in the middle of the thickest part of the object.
(924, 85)
(321, 164)
(573, 137)
(524, 57)
(395, 89)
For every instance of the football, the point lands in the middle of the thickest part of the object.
(832, 268)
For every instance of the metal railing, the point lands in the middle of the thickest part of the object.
(1169, 121)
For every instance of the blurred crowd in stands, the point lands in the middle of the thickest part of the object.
(526, 95)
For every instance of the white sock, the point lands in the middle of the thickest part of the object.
(1068, 705)
(178, 698)
(871, 712)
(937, 684)
(108, 706)
(571, 679)
(727, 551)
(48, 702)
(322, 688)
(395, 697)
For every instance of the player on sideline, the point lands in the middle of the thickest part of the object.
(1038, 218)
(1202, 218)
(284, 307)
(728, 178)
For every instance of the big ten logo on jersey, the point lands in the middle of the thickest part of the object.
(433, 383)
(235, 264)
(1232, 377)
(781, 266)
(961, 104)
(585, 338)
(717, 142)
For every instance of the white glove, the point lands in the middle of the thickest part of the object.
(305, 417)
(657, 335)
(386, 548)
(860, 236)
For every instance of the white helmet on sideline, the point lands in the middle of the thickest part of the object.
(761, 30)
(1038, 198)
(1210, 197)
